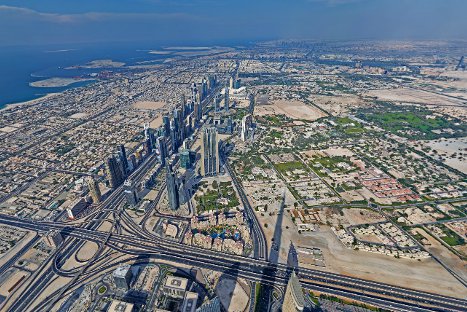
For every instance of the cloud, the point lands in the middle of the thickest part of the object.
(88, 16)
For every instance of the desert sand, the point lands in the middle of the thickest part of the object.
(291, 108)
(149, 105)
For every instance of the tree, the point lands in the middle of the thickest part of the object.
(214, 184)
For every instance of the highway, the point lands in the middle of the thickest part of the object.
(259, 239)
(252, 269)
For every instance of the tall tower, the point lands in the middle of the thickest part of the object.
(226, 99)
(130, 193)
(162, 148)
(174, 139)
(293, 298)
(183, 106)
(247, 122)
(197, 113)
(251, 107)
(94, 190)
(210, 163)
(172, 189)
(114, 174)
(166, 125)
(231, 82)
(123, 158)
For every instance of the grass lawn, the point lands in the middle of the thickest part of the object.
(290, 166)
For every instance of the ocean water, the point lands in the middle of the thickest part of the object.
(19, 66)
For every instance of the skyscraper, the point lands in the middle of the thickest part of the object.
(174, 139)
(123, 159)
(247, 122)
(226, 99)
(293, 298)
(130, 193)
(172, 189)
(94, 190)
(114, 173)
(251, 107)
(162, 148)
(231, 82)
(210, 162)
(183, 106)
(166, 125)
(197, 113)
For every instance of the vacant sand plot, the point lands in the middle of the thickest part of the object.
(149, 105)
(449, 147)
(15, 278)
(338, 104)
(405, 95)
(426, 275)
(437, 249)
(79, 116)
(292, 109)
(362, 216)
(86, 252)
(232, 296)
(156, 122)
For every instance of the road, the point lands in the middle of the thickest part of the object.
(251, 269)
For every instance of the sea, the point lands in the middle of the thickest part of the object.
(22, 65)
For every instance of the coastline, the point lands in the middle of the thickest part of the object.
(28, 103)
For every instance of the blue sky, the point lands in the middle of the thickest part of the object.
(179, 21)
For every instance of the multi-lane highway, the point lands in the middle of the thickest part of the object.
(256, 269)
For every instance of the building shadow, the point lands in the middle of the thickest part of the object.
(265, 297)
(226, 285)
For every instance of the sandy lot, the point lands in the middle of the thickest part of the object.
(292, 109)
(405, 95)
(86, 252)
(437, 249)
(337, 104)
(447, 147)
(16, 278)
(79, 115)
(426, 275)
(232, 296)
(156, 122)
(148, 105)
(362, 216)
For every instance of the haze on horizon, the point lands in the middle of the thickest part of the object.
(177, 21)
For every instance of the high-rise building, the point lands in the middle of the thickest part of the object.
(231, 82)
(172, 189)
(123, 158)
(166, 125)
(174, 139)
(122, 277)
(197, 113)
(183, 106)
(210, 163)
(114, 173)
(187, 158)
(130, 193)
(213, 305)
(251, 106)
(293, 298)
(133, 161)
(162, 149)
(226, 99)
(94, 190)
(238, 83)
(247, 123)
